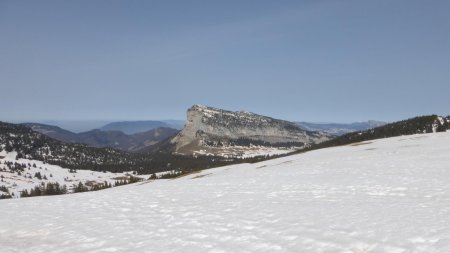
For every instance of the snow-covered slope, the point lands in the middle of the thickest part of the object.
(26, 180)
(387, 195)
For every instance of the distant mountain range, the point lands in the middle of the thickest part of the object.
(132, 127)
(106, 138)
(215, 128)
(340, 129)
(209, 131)
(127, 127)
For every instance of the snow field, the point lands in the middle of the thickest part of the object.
(388, 195)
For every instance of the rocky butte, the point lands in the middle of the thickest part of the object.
(212, 131)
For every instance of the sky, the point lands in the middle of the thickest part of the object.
(319, 61)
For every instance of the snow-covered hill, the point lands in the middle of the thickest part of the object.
(25, 174)
(387, 195)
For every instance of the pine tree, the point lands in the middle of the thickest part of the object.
(38, 175)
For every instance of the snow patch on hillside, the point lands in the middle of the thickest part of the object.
(52, 173)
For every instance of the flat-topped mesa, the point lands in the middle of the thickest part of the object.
(216, 128)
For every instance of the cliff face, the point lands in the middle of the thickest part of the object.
(208, 127)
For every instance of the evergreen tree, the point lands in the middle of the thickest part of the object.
(38, 175)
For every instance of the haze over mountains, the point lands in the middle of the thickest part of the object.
(140, 136)
(339, 128)
(132, 127)
(126, 126)
(107, 138)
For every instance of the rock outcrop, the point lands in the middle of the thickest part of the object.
(212, 130)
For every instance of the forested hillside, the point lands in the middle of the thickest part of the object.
(33, 145)
(417, 125)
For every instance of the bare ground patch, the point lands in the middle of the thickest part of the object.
(200, 176)
(361, 143)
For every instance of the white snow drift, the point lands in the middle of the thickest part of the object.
(389, 195)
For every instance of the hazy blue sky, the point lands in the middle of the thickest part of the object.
(316, 60)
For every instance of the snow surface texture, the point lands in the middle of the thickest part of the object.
(389, 195)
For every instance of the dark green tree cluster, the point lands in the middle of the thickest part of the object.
(38, 175)
(128, 180)
(80, 187)
(446, 125)
(173, 174)
(15, 167)
(90, 186)
(4, 192)
(45, 189)
(100, 186)
(5, 196)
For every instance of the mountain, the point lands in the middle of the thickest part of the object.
(76, 126)
(132, 127)
(54, 132)
(340, 129)
(133, 143)
(212, 131)
(176, 124)
(98, 138)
